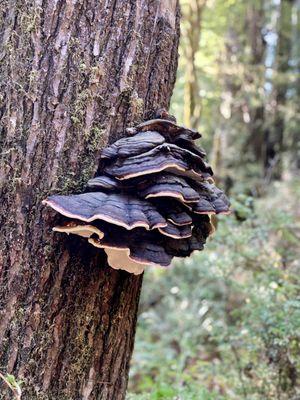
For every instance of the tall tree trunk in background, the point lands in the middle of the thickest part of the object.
(192, 12)
(275, 134)
(295, 148)
(254, 28)
(73, 75)
(227, 107)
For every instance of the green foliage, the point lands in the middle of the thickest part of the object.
(161, 391)
(225, 324)
(248, 80)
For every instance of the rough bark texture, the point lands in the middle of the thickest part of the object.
(74, 73)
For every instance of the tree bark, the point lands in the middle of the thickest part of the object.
(74, 74)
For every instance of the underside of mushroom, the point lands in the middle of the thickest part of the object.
(151, 200)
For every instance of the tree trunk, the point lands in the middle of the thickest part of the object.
(192, 13)
(255, 21)
(295, 142)
(274, 140)
(74, 73)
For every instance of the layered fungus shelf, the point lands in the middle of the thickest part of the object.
(152, 201)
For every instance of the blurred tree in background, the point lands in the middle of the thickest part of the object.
(225, 324)
(239, 66)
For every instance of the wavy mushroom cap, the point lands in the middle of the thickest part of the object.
(164, 127)
(154, 185)
(141, 248)
(104, 182)
(118, 209)
(166, 157)
(185, 143)
(185, 247)
(173, 211)
(175, 231)
(133, 145)
(167, 185)
(212, 200)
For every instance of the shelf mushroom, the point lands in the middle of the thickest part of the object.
(119, 209)
(151, 200)
(165, 157)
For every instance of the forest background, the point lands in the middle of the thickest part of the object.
(225, 324)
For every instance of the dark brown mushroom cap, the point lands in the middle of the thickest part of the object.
(150, 186)
(220, 197)
(109, 183)
(166, 185)
(185, 247)
(212, 199)
(207, 198)
(185, 143)
(133, 250)
(166, 157)
(221, 207)
(152, 253)
(173, 211)
(165, 127)
(156, 248)
(133, 145)
(175, 231)
(145, 246)
(103, 182)
(173, 133)
(118, 209)
(216, 206)
(204, 207)
(141, 248)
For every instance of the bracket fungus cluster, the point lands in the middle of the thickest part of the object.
(152, 201)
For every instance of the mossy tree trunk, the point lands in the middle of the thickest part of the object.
(74, 73)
